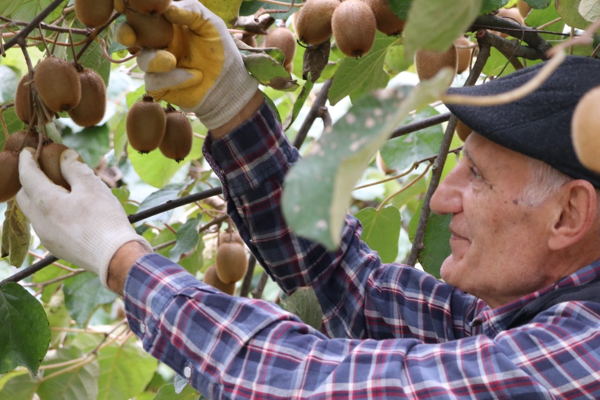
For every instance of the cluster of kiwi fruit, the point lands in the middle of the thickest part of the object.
(353, 23)
(457, 57)
(231, 263)
(150, 126)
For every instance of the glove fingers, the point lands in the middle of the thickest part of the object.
(151, 61)
(78, 174)
(23, 201)
(33, 180)
(167, 80)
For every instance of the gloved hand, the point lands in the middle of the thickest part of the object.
(85, 226)
(209, 78)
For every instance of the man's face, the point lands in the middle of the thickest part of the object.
(499, 245)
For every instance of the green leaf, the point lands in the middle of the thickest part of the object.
(16, 234)
(299, 103)
(251, 7)
(542, 17)
(400, 8)
(93, 58)
(25, 332)
(26, 10)
(538, 3)
(160, 197)
(91, 143)
(589, 10)
(125, 370)
(381, 231)
(436, 241)
(419, 34)
(58, 317)
(46, 274)
(79, 383)
(19, 386)
(365, 73)
(305, 305)
(13, 123)
(487, 6)
(323, 181)
(194, 261)
(395, 62)
(268, 71)
(569, 12)
(227, 10)
(497, 64)
(157, 170)
(187, 239)
(400, 153)
(120, 137)
(83, 293)
(167, 392)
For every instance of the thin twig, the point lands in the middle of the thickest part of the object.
(257, 293)
(33, 24)
(276, 11)
(313, 114)
(112, 60)
(438, 166)
(95, 33)
(84, 32)
(417, 179)
(247, 282)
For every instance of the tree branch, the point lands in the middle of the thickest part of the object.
(33, 24)
(313, 113)
(438, 166)
(169, 205)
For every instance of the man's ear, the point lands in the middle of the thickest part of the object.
(576, 214)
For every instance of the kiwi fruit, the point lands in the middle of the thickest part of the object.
(250, 40)
(49, 161)
(463, 54)
(584, 130)
(150, 6)
(211, 278)
(512, 14)
(92, 105)
(283, 39)
(230, 237)
(57, 83)
(22, 100)
(177, 141)
(523, 8)
(21, 139)
(9, 178)
(354, 27)
(387, 22)
(231, 262)
(429, 63)
(145, 125)
(94, 13)
(462, 130)
(151, 31)
(313, 23)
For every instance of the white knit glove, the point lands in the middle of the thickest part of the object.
(207, 74)
(86, 226)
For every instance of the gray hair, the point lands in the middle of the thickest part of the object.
(545, 181)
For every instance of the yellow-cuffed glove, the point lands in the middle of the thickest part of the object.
(208, 76)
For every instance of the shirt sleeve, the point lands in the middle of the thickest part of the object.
(360, 297)
(238, 348)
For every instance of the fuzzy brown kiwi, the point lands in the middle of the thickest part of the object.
(57, 83)
(150, 6)
(231, 262)
(463, 54)
(313, 23)
(283, 39)
(462, 130)
(22, 100)
(177, 141)
(9, 178)
(584, 130)
(429, 63)
(92, 105)
(354, 27)
(250, 40)
(145, 125)
(211, 278)
(21, 139)
(94, 13)
(49, 161)
(523, 8)
(387, 22)
(152, 31)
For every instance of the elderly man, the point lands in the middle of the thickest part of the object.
(516, 319)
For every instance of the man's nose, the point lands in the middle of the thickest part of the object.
(447, 198)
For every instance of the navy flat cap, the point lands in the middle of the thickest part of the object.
(539, 124)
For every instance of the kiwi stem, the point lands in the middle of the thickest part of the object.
(95, 33)
(43, 39)
(4, 127)
(73, 50)
(112, 60)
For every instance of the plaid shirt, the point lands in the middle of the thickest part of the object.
(389, 331)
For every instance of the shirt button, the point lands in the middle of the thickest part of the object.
(187, 372)
(142, 328)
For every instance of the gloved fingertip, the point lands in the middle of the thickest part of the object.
(23, 199)
(69, 156)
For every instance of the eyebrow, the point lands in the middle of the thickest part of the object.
(468, 155)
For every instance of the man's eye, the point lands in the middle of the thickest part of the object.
(475, 172)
